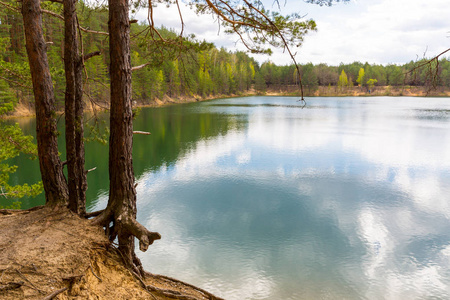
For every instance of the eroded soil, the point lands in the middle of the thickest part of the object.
(54, 253)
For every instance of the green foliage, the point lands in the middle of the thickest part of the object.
(260, 83)
(361, 75)
(343, 80)
(14, 83)
(13, 205)
(7, 98)
(98, 131)
(136, 112)
(309, 77)
(371, 83)
(12, 143)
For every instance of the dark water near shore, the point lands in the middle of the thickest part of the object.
(257, 198)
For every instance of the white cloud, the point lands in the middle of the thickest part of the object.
(376, 31)
(380, 31)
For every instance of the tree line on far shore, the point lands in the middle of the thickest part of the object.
(197, 70)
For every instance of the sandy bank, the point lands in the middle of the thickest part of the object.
(43, 252)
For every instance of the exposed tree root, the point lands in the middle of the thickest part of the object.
(11, 211)
(31, 284)
(126, 225)
(54, 294)
(171, 280)
(145, 237)
(142, 275)
(162, 292)
(93, 214)
(166, 292)
(169, 293)
(11, 286)
(103, 218)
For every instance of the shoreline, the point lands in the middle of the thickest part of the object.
(377, 91)
(24, 111)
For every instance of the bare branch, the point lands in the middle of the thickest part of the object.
(51, 13)
(92, 169)
(152, 23)
(429, 61)
(139, 67)
(141, 132)
(181, 20)
(94, 31)
(90, 55)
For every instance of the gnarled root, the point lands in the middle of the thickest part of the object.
(173, 294)
(145, 237)
(125, 223)
(125, 227)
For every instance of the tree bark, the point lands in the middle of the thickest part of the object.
(77, 183)
(122, 193)
(121, 209)
(54, 182)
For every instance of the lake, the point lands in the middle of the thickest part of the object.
(259, 198)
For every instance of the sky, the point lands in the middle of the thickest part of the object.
(374, 31)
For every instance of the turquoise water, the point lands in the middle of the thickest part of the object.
(257, 198)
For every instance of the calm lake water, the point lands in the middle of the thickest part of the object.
(257, 198)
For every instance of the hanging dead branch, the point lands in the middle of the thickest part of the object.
(432, 71)
(259, 29)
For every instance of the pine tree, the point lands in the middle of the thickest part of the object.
(260, 83)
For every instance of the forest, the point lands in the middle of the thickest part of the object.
(197, 69)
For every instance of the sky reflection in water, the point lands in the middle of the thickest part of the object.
(347, 198)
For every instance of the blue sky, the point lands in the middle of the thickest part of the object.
(374, 31)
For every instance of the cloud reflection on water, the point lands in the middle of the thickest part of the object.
(342, 203)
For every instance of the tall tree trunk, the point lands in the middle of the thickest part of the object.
(54, 182)
(79, 137)
(122, 192)
(74, 112)
(121, 209)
